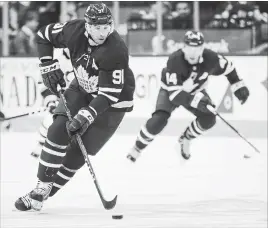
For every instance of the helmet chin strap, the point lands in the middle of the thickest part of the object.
(91, 41)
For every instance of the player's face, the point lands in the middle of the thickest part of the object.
(99, 33)
(192, 54)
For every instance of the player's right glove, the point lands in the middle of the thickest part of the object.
(200, 102)
(51, 102)
(52, 75)
(82, 120)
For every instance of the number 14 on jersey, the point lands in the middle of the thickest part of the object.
(171, 78)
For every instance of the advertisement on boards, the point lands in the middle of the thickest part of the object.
(20, 91)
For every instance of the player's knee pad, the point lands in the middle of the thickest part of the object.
(157, 122)
(74, 158)
(57, 132)
(207, 121)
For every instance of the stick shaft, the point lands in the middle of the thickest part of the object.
(24, 114)
(228, 124)
(107, 204)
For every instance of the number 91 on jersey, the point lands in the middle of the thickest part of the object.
(118, 77)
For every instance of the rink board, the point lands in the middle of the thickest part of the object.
(20, 91)
(132, 125)
(217, 188)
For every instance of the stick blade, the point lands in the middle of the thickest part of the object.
(108, 205)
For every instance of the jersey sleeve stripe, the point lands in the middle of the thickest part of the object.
(237, 85)
(123, 104)
(47, 32)
(46, 58)
(113, 90)
(40, 34)
(163, 85)
(174, 88)
(57, 31)
(174, 94)
(229, 68)
(114, 99)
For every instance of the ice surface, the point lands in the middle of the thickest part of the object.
(216, 188)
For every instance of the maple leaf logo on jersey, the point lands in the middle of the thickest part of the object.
(88, 83)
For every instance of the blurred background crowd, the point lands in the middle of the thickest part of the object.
(147, 27)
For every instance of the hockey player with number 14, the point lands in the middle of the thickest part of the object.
(183, 83)
(98, 97)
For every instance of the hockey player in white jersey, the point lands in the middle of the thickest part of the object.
(51, 100)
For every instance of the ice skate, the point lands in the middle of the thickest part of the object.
(34, 199)
(134, 154)
(185, 147)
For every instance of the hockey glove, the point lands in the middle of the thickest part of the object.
(52, 75)
(80, 123)
(200, 102)
(51, 102)
(240, 91)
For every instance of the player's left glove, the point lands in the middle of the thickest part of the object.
(52, 75)
(80, 123)
(240, 91)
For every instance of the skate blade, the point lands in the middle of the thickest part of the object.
(182, 160)
(18, 211)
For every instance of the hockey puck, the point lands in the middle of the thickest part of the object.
(117, 216)
(246, 156)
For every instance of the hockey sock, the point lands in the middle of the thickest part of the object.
(54, 150)
(144, 138)
(50, 160)
(61, 178)
(193, 130)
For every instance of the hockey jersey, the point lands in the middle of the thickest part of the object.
(102, 71)
(179, 77)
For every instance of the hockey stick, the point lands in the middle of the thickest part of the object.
(210, 108)
(25, 114)
(107, 204)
